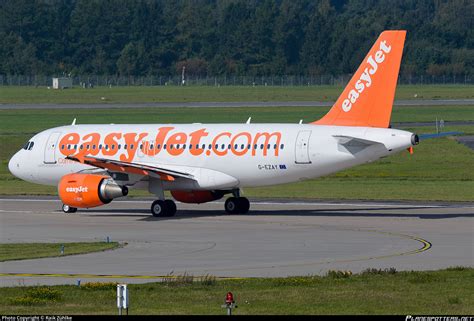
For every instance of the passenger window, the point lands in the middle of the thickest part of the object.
(281, 146)
(131, 146)
(164, 146)
(261, 146)
(113, 146)
(62, 146)
(158, 146)
(184, 146)
(93, 146)
(26, 145)
(151, 146)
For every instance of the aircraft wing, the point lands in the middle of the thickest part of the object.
(161, 172)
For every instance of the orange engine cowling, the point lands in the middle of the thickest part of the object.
(196, 197)
(89, 190)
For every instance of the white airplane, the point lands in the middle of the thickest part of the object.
(198, 163)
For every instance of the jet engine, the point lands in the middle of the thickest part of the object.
(89, 190)
(196, 197)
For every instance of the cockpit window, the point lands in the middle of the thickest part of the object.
(29, 146)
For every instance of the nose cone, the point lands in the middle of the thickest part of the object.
(14, 165)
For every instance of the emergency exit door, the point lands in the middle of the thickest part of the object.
(302, 147)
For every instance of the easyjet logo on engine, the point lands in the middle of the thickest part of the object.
(79, 189)
(365, 79)
(196, 143)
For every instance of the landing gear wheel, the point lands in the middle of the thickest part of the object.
(158, 208)
(165, 208)
(232, 205)
(170, 208)
(237, 205)
(243, 205)
(68, 209)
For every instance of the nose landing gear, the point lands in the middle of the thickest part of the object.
(166, 208)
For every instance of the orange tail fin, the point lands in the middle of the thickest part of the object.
(368, 98)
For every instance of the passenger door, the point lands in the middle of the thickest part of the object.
(50, 148)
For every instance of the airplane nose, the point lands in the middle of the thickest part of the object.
(14, 165)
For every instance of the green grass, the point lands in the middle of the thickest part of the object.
(30, 121)
(14, 94)
(432, 292)
(25, 251)
(440, 169)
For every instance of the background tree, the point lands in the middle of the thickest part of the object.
(232, 37)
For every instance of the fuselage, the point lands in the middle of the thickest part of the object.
(221, 156)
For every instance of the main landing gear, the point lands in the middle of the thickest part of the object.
(166, 208)
(68, 209)
(237, 205)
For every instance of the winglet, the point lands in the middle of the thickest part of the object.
(368, 97)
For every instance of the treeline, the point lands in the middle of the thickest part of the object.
(229, 37)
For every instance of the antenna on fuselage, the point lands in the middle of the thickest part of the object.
(73, 122)
(248, 120)
(301, 121)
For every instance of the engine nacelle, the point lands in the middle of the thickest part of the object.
(89, 190)
(196, 197)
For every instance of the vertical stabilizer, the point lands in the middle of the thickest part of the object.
(368, 97)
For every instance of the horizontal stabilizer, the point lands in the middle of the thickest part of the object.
(344, 140)
(355, 145)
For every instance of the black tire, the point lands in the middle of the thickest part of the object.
(69, 209)
(158, 208)
(170, 208)
(231, 205)
(243, 205)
